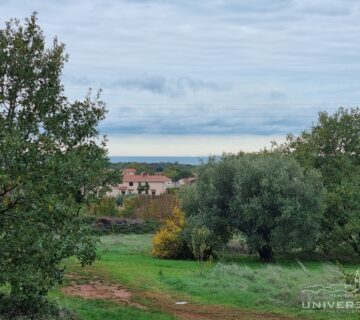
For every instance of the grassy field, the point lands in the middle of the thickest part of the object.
(242, 283)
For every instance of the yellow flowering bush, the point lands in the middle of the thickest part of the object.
(167, 242)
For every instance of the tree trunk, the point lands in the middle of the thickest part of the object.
(265, 253)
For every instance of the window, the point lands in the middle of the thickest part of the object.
(131, 184)
(153, 193)
(123, 192)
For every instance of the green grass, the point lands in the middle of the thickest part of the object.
(106, 310)
(244, 283)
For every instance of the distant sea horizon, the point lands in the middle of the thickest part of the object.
(154, 159)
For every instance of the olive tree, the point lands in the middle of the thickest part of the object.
(268, 197)
(52, 161)
(277, 205)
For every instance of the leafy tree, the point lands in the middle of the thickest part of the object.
(177, 172)
(333, 147)
(277, 205)
(51, 163)
(188, 198)
(268, 197)
(209, 200)
(200, 244)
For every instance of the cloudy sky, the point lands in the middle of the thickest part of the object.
(185, 77)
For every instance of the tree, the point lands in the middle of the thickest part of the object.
(177, 172)
(333, 147)
(277, 205)
(268, 197)
(200, 244)
(52, 162)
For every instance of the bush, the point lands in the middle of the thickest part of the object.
(13, 308)
(119, 200)
(168, 241)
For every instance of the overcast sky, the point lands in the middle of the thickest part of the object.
(194, 77)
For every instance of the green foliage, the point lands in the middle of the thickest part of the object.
(268, 197)
(51, 162)
(119, 200)
(105, 207)
(12, 308)
(333, 147)
(143, 188)
(200, 244)
(189, 201)
(177, 172)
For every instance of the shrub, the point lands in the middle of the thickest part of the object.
(168, 241)
(13, 308)
(119, 200)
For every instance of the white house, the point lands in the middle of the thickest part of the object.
(144, 183)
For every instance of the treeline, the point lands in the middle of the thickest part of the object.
(174, 171)
(303, 195)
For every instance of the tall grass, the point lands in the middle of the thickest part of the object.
(271, 284)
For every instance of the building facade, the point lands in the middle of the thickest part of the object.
(144, 183)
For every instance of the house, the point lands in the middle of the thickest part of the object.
(186, 181)
(144, 183)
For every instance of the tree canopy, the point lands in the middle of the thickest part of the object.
(267, 197)
(52, 160)
(332, 146)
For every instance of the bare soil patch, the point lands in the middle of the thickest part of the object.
(99, 290)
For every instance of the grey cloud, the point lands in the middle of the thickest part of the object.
(212, 120)
(162, 86)
(277, 96)
(323, 7)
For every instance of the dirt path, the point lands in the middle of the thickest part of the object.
(164, 302)
(192, 311)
